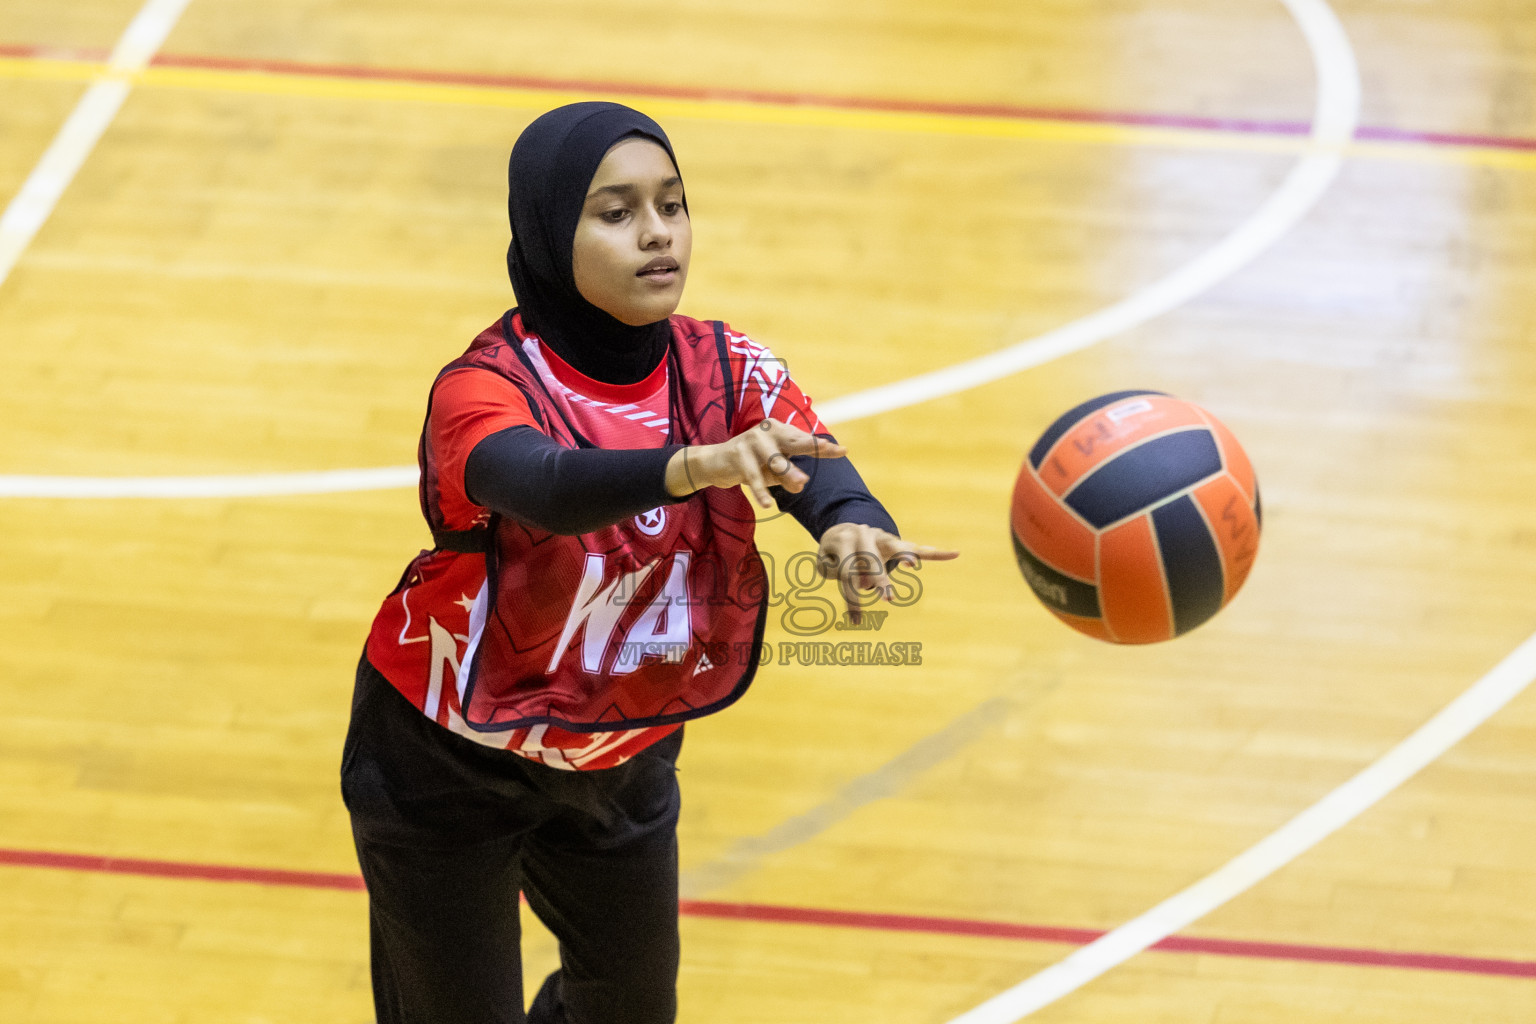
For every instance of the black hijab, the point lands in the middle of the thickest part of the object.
(547, 179)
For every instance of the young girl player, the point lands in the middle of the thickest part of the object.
(592, 585)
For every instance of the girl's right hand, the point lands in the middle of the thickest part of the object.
(758, 458)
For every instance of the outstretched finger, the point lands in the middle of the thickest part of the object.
(865, 571)
(752, 476)
(901, 552)
(861, 583)
(791, 440)
(852, 599)
(789, 476)
(824, 448)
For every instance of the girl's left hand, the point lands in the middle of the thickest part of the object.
(859, 557)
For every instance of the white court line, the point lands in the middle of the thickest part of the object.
(1333, 126)
(250, 485)
(1474, 707)
(31, 207)
(1334, 123)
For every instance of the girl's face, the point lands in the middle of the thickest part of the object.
(630, 253)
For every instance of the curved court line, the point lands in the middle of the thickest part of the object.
(248, 485)
(1333, 126)
(1334, 122)
(1338, 109)
(1300, 834)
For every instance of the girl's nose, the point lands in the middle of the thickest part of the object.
(654, 231)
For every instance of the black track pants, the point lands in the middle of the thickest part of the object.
(448, 832)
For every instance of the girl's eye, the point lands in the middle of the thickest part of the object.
(671, 209)
(614, 216)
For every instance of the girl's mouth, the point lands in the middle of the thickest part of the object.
(660, 268)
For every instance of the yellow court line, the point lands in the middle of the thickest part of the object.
(49, 70)
(801, 115)
(270, 83)
(1444, 153)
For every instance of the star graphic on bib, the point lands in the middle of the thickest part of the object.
(467, 603)
(653, 522)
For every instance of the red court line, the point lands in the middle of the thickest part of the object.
(1346, 955)
(885, 105)
(54, 52)
(179, 869)
(767, 913)
(1235, 125)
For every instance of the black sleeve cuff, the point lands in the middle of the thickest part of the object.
(835, 494)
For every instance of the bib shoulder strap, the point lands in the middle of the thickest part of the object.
(476, 541)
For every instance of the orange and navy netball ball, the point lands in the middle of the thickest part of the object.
(1136, 517)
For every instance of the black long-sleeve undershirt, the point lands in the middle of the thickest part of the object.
(528, 476)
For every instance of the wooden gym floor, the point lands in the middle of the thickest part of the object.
(298, 215)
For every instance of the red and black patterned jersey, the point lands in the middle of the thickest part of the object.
(623, 645)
